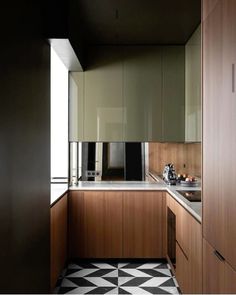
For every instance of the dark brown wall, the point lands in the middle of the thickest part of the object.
(24, 149)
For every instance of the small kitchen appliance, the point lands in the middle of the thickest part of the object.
(169, 175)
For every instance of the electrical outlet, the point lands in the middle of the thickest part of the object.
(93, 173)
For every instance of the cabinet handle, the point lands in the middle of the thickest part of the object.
(233, 78)
(219, 256)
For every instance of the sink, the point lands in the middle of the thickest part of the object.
(191, 196)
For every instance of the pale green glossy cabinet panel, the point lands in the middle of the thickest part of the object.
(130, 93)
(103, 104)
(193, 87)
(76, 106)
(142, 93)
(173, 93)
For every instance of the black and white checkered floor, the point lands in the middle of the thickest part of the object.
(117, 278)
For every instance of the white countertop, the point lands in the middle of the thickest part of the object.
(57, 190)
(194, 208)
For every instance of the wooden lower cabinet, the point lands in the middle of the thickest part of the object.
(188, 248)
(143, 228)
(116, 224)
(95, 224)
(218, 275)
(182, 270)
(58, 238)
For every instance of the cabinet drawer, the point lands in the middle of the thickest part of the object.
(182, 270)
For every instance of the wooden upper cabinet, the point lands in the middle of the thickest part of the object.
(173, 93)
(142, 93)
(96, 224)
(143, 229)
(58, 236)
(219, 126)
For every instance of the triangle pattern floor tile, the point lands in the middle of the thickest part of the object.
(81, 290)
(170, 290)
(168, 283)
(102, 290)
(65, 290)
(155, 290)
(68, 283)
(82, 273)
(135, 290)
(154, 282)
(113, 273)
(105, 265)
(81, 282)
(100, 282)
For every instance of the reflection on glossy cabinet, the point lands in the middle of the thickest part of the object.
(76, 106)
(218, 275)
(193, 87)
(143, 227)
(103, 103)
(58, 214)
(173, 93)
(142, 93)
(95, 224)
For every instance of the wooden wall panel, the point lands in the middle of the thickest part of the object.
(180, 154)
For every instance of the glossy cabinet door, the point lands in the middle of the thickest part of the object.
(173, 93)
(58, 236)
(103, 95)
(95, 224)
(76, 106)
(218, 276)
(193, 87)
(143, 228)
(129, 93)
(142, 93)
(219, 121)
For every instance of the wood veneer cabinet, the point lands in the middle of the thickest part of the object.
(95, 224)
(218, 275)
(188, 248)
(143, 228)
(117, 224)
(219, 126)
(58, 238)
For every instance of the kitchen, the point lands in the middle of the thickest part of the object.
(112, 234)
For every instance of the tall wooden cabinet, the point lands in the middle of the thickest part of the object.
(219, 129)
(58, 237)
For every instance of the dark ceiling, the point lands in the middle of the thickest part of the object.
(135, 22)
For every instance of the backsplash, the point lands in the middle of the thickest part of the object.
(186, 157)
